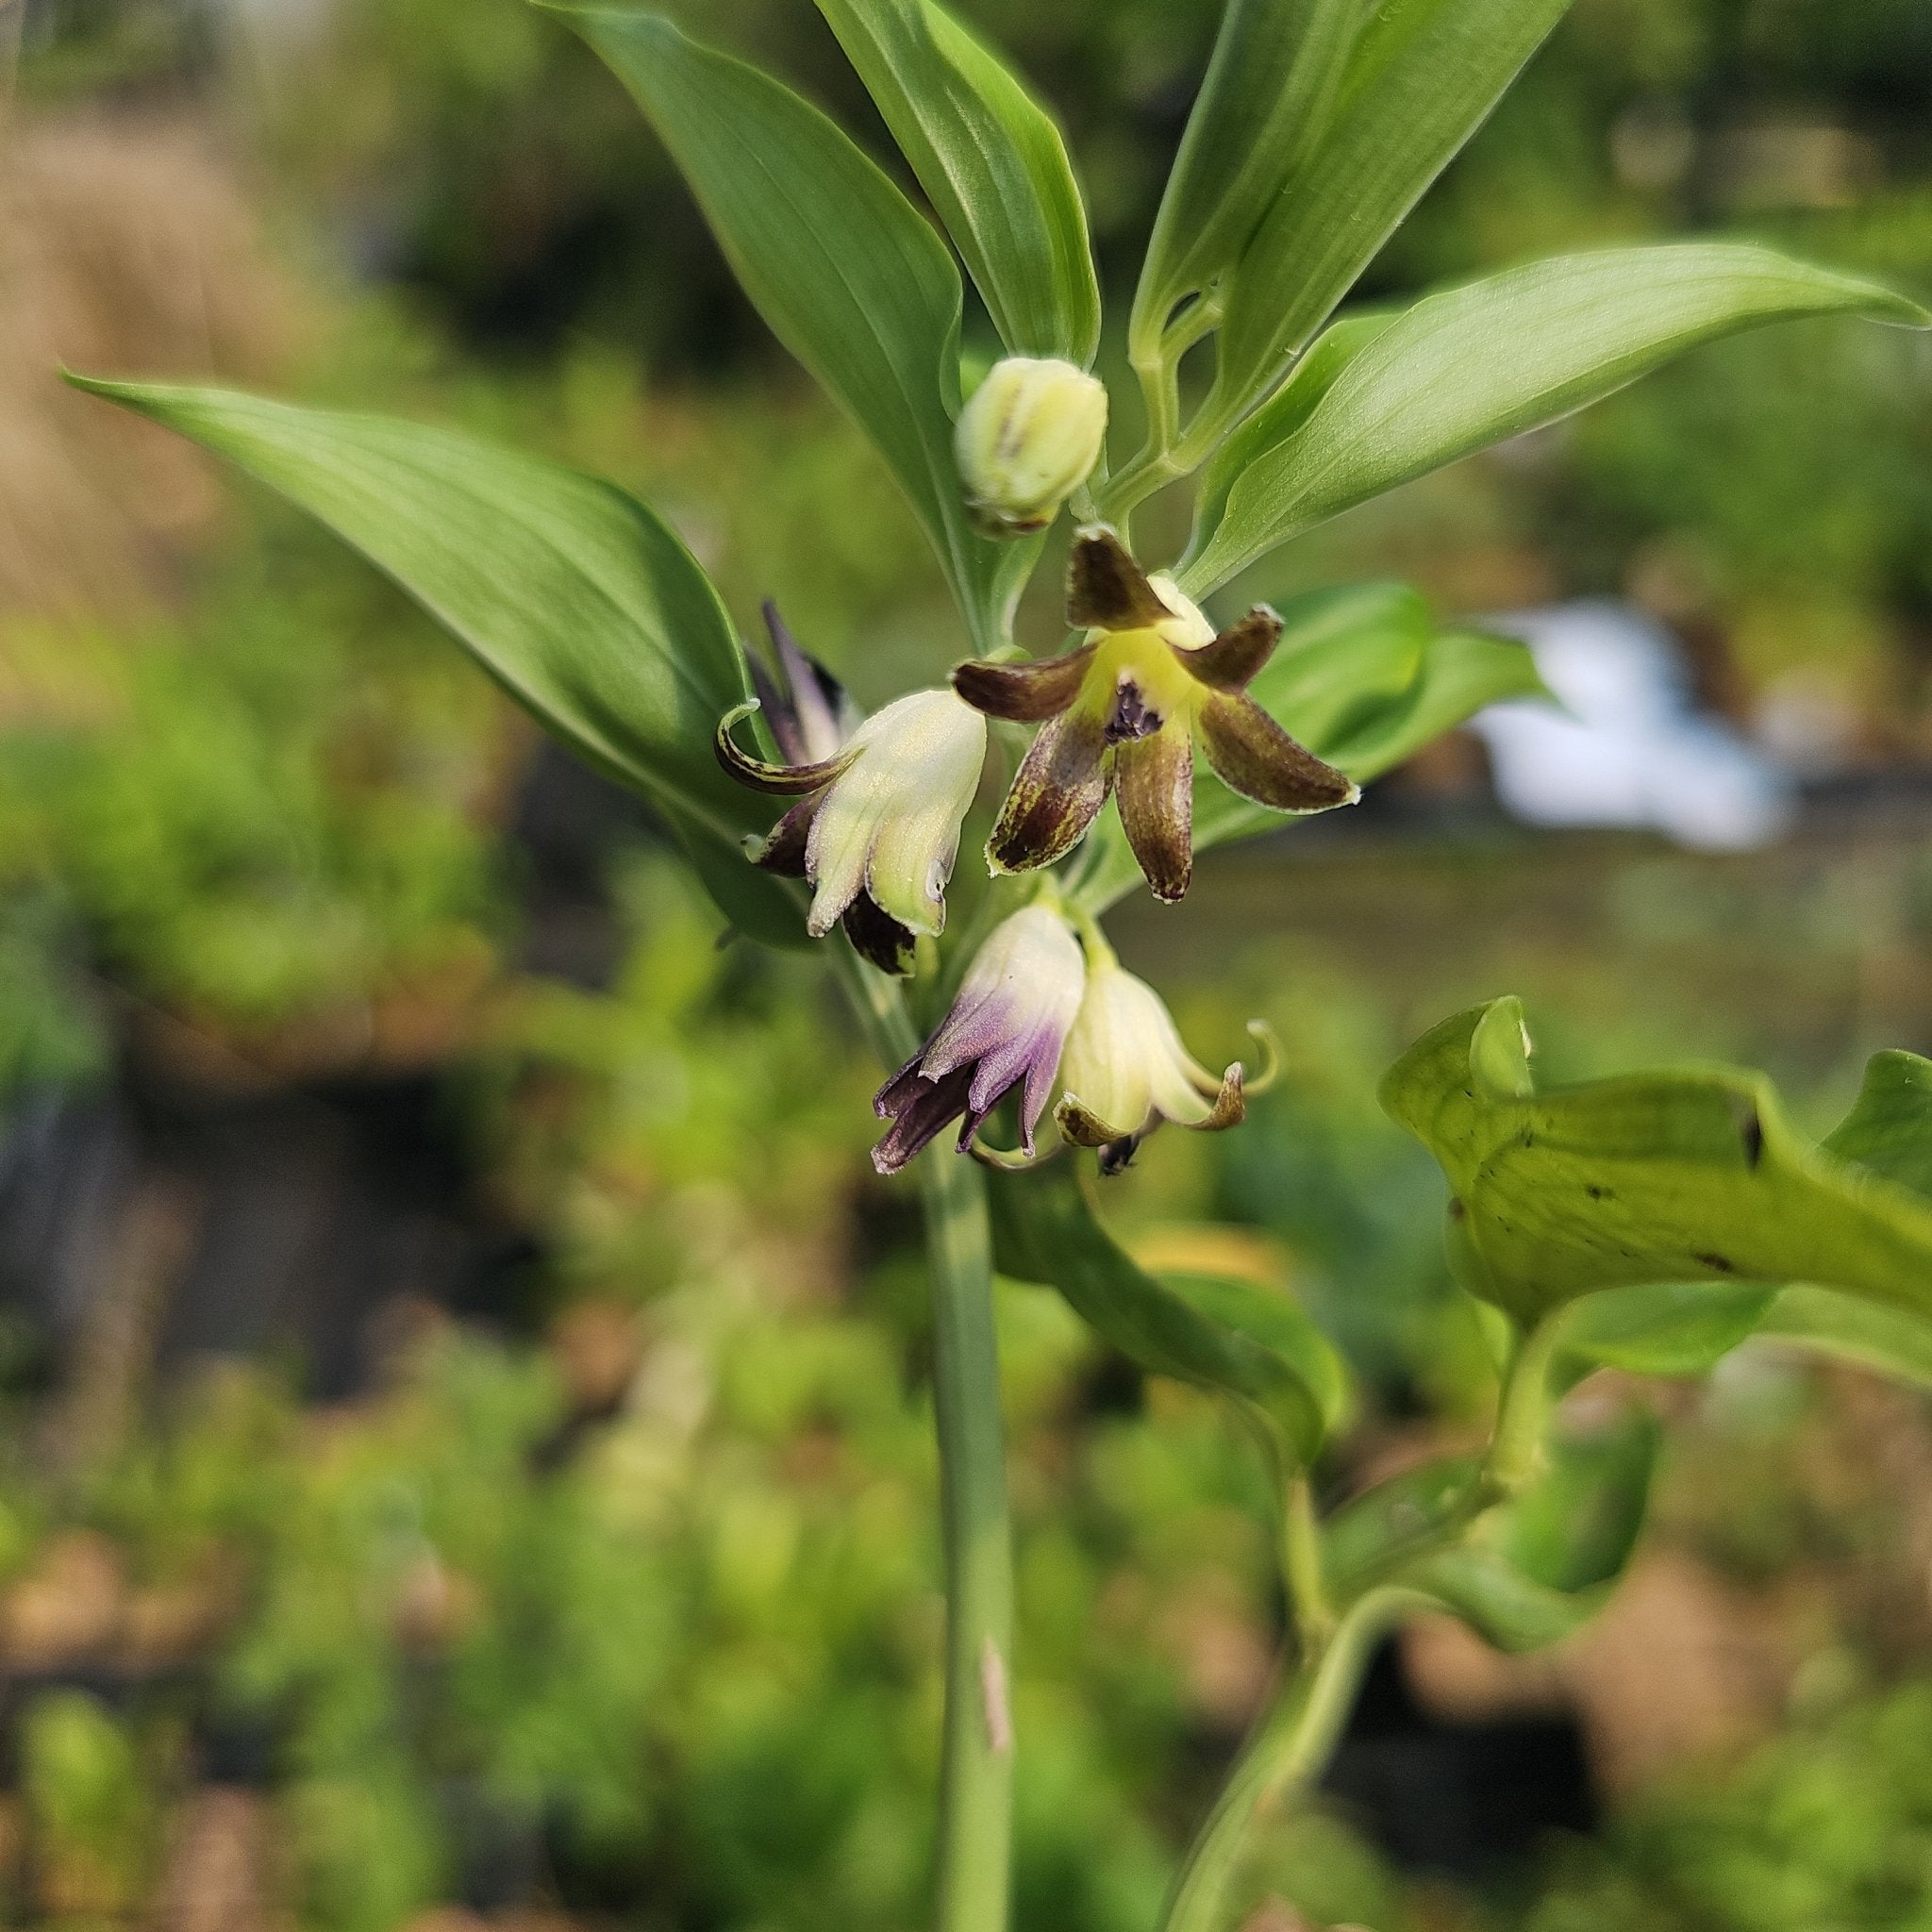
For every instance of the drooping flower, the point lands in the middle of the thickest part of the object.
(1121, 715)
(876, 828)
(1004, 1031)
(1125, 1069)
(1028, 437)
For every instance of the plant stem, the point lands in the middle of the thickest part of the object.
(976, 1760)
(1285, 1752)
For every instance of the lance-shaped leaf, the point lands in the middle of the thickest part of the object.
(993, 164)
(1276, 69)
(1541, 1566)
(1687, 1175)
(1364, 678)
(850, 277)
(1421, 78)
(1826, 1322)
(570, 592)
(1222, 1333)
(1376, 404)
(1663, 1328)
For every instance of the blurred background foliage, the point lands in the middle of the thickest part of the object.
(466, 1457)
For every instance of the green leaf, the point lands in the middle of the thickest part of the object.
(1364, 679)
(1227, 1335)
(1473, 365)
(1665, 1328)
(1538, 1569)
(850, 277)
(1684, 1176)
(1278, 67)
(993, 164)
(578, 601)
(1837, 1325)
(1890, 1128)
(1421, 78)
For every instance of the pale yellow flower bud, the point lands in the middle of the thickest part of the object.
(1028, 438)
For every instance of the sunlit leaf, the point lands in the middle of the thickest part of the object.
(1684, 1176)
(1421, 78)
(1234, 1335)
(993, 164)
(567, 591)
(1278, 67)
(1379, 403)
(850, 277)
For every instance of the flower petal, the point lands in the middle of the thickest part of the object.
(783, 781)
(785, 844)
(1233, 659)
(1025, 693)
(814, 717)
(1107, 589)
(1153, 786)
(1079, 1125)
(876, 935)
(1252, 755)
(918, 1109)
(1061, 785)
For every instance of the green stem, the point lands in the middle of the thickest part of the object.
(1285, 1752)
(977, 1764)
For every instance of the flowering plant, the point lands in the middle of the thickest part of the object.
(1650, 1223)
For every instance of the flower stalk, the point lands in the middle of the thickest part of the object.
(976, 1758)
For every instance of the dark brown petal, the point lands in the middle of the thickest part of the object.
(1230, 1105)
(918, 1109)
(1083, 1128)
(1025, 694)
(1105, 589)
(783, 781)
(1153, 786)
(783, 851)
(876, 935)
(1253, 756)
(1232, 659)
(1061, 785)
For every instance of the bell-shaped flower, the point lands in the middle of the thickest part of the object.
(1028, 437)
(1125, 1069)
(1121, 715)
(876, 828)
(1004, 1031)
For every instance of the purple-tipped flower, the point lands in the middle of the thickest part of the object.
(876, 826)
(1006, 1030)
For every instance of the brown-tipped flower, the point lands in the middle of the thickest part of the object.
(1125, 1069)
(1122, 714)
(880, 800)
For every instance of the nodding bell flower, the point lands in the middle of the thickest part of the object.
(876, 828)
(1006, 1030)
(1125, 1069)
(1028, 437)
(1122, 713)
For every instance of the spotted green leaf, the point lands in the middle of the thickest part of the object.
(993, 164)
(570, 593)
(1684, 1176)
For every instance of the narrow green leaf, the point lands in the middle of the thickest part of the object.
(1276, 69)
(1227, 1335)
(850, 277)
(993, 164)
(1421, 78)
(568, 591)
(1836, 1325)
(1364, 679)
(1889, 1129)
(1684, 1176)
(1473, 365)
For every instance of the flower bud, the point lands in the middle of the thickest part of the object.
(1027, 438)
